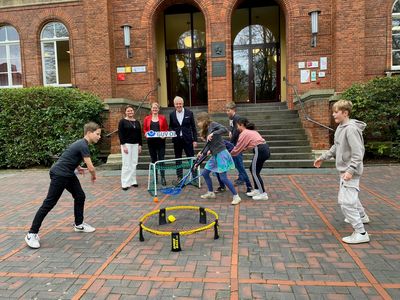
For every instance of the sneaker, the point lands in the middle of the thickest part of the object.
(236, 200)
(356, 238)
(248, 190)
(220, 190)
(364, 219)
(253, 193)
(208, 195)
(84, 228)
(32, 239)
(263, 196)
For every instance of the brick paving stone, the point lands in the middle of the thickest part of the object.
(284, 249)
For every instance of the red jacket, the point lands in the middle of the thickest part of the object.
(161, 119)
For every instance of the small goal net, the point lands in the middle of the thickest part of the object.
(169, 172)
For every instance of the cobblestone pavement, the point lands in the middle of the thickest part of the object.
(288, 247)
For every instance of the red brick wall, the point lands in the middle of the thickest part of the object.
(353, 35)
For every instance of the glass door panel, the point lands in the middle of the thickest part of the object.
(265, 74)
(241, 75)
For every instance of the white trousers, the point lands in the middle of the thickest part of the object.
(129, 163)
(350, 204)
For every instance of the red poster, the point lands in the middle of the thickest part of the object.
(121, 76)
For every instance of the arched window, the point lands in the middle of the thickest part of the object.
(55, 54)
(10, 58)
(396, 35)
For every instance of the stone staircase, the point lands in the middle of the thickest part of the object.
(280, 127)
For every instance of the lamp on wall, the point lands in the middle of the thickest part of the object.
(127, 39)
(314, 26)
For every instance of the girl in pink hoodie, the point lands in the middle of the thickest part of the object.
(249, 138)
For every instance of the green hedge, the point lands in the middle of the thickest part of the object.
(39, 123)
(377, 103)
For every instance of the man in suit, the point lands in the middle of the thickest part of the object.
(182, 122)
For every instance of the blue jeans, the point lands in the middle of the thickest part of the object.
(222, 178)
(238, 160)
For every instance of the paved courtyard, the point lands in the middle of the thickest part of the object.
(288, 247)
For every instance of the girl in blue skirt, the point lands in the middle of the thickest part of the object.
(221, 161)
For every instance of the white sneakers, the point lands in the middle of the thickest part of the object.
(364, 219)
(32, 240)
(263, 196)
(253, 193)
(208, 195)
(236, 200)
(356, 238)
(84, 228)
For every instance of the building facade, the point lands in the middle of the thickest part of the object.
(209, 52)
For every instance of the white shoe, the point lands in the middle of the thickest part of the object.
(253, 193)
(84, 228)
(236, 200)
(208, 195)
(364, 219)
(32, 239)
(356, 238)
(263, 196)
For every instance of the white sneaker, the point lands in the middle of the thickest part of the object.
(356, 238)
(263, 196)
(84, 228)
(208, 195)
(253, 193)
(32, 239)
(364, 219)
(236, 200)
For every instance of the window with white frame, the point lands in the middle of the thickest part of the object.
(396, 36)
(10, 58)
(55, 54)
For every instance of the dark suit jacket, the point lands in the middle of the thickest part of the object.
(188, 127)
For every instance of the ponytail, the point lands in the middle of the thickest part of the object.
(246, 124)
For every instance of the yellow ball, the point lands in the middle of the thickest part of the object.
(171, 219)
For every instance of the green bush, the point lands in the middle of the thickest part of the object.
(39, 123)
(377, 103)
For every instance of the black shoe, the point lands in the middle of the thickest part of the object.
(125, 189)
(220, 190)
(163, 182)
(135, 185)
(248, 190)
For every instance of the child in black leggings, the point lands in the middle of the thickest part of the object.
(249, 138)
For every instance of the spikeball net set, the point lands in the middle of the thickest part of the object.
(176, 221)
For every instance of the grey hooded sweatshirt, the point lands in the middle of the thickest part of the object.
(348, 148)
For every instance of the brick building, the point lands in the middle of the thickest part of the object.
(226, 49)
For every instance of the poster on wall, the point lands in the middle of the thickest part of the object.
(120, 69)
(323, 63)
(302, 64)
(312, 64)
(121, 76)
(321, 74)
(314, 76)
(305, 76)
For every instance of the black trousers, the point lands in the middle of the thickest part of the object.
(261, 154)
(179, 146)
(57, 186)
(157, 151)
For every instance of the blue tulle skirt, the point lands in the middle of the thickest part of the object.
(220, 163)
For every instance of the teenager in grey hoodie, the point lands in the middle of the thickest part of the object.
(348, 149)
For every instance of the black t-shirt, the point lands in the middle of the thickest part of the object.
(71, 158)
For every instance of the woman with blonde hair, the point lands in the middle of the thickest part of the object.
(221, 161)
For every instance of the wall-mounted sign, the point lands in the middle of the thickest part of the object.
(218, 49)
(305, 76)
(321, 74)
(313, 75)
(312, 64)
(323, 63)
(302, 64)
(139, 69)
(218, 69)
(120, 69)
(121, 76)
(128, 69)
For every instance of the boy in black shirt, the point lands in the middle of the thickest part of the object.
(62, 175)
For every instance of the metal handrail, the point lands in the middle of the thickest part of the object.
(306, 116)
(140, 105)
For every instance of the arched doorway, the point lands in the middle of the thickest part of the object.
(256, 48)
(185, 54)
